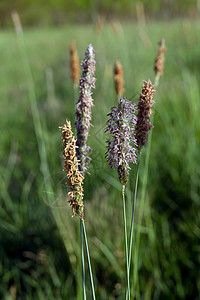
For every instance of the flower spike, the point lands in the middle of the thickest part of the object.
(74, 176)
(84, 108)
(74, 63)
(144, 112)
(121, 148)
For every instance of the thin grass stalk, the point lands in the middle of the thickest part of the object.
(132, 222)
(75, 95)
(142, 200)
(157, 79)
(33, 102)
(82, 261)
(50, 87)
(89, 263)
(159, 62)
(126, 244)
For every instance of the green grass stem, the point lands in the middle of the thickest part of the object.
(132, 222)
(82, 261)
(126, 244)
(75, 96)
(34, 110)
(89, 263)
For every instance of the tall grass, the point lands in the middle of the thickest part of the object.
(171, 211)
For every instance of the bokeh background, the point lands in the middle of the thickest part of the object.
(39, 241)
(56, 12)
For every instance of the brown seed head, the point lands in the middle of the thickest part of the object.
(74, 63)
(145, 104)
(119, 78)
(74, 176)
(160, 58)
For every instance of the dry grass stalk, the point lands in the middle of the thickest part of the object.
(119, 78)
(140, 13)
(144, 38)
(141, 25)
(74, 176)
(116, 26)
(74, 64)
(16, 21)
(99, 23)
(160, 58)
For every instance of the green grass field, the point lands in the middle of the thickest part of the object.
(40, 247)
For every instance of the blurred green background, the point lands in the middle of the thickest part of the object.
(55, 12)
(40, 246)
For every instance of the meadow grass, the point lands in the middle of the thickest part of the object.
(32, 222)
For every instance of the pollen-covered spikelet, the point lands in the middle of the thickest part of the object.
(159, 61)
(145, 104)
(119, 78)
(74, 176)
(74, 63)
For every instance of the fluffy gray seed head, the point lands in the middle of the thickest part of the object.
(84, 108)
(121, 148)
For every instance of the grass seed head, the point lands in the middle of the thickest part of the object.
(144, 113)
(84, 108)
(119, 78)
(71, 169)
(74, 64)
(160, 59)
(121, 148)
